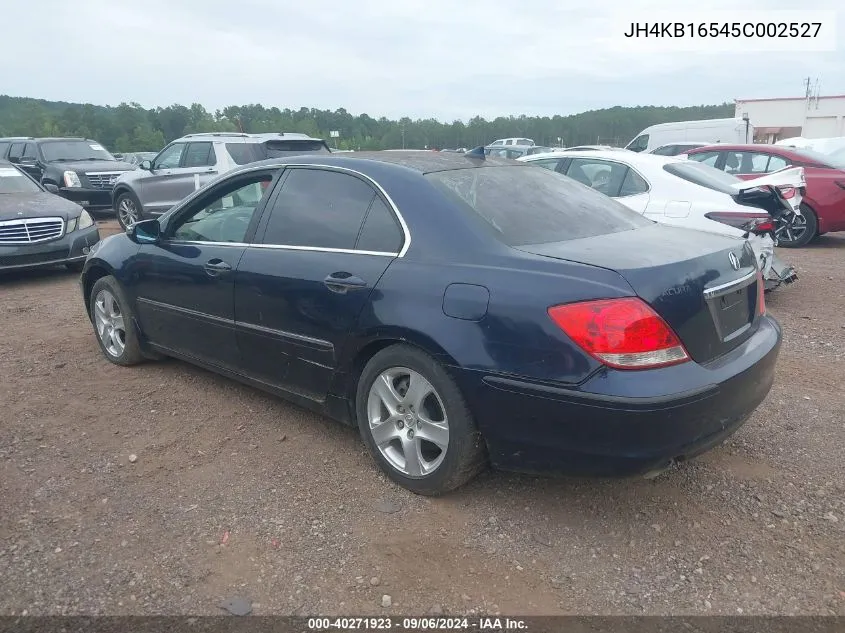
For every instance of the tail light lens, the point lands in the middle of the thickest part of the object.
(622, 333)
(788, 192)
(736, 219)
(761, 294)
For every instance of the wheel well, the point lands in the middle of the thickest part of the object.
(94, 273)
(816, 215)
(362, 358)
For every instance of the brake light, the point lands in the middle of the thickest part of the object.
(622, 333)
(736, 219)
(788, 192)
(761, 294)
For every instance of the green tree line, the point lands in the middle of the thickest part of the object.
(130, 127)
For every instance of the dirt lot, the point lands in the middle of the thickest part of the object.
(236, 493)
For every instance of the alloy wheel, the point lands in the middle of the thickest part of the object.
(408, 421)
(127, 212)
(109, 322)
(791, 228)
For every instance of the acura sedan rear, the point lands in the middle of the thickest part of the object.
(458, 310)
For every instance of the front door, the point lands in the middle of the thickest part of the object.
(324, 242)
(185, 283)
(159, 190)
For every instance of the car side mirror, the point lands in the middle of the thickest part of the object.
(146, 164)
(144, 232)
(49, 186)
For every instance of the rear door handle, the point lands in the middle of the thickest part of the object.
(341, 282)
(216, 267)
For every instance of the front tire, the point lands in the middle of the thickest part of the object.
(128, 209)
(415, 422)
(113, 320)
(797, 231)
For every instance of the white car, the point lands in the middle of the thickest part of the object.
(679, 192)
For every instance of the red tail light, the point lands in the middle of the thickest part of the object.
(788, 192)
(761, 294)
(622, 333)
(766, 225)
(736, 219)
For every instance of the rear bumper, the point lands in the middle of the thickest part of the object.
(622, 423)
(73, 247)
(89, 199)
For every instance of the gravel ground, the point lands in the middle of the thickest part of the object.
(164, 489)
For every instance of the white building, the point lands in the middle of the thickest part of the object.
(810, 117)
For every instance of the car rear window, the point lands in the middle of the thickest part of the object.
(703, 175)
(824, 159)
(523, 205)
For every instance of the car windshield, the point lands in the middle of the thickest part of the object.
(828, 160)
(524, 205)
(703, 175)
(13, 181)
(74, 150)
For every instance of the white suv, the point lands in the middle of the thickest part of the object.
(190, 162)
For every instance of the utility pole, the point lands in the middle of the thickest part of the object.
(807, 89)
(403, 135)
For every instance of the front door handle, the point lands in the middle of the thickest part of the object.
(216, 267)
(341, 282)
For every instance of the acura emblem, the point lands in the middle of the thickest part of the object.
(734, 261)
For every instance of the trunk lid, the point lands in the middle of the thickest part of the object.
(703, 285)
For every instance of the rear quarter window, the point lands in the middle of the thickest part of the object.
(522, 205)
(276, 149)
(244, 153)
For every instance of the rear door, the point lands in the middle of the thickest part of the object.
(199, 167)
(323, 244)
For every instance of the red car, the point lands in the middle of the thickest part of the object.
(823, 207)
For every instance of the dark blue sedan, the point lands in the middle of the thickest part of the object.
(459, 310)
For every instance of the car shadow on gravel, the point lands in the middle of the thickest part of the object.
(10, 278)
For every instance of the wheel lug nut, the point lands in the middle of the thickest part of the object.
(410, 434)
(400, 424)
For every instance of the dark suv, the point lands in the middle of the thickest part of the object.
(75, 168)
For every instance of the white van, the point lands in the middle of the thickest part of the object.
(513, 141)
(706, 131)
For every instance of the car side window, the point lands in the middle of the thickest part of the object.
(603, 176)
(381, 231)
(547, 163)
(225, 216)
(633, 184)
(29, 152)
(639, 144)
(319, 208)
(708, 158)
(776, 163)
(199, 155)
(16, 151)
(169, 157)
(666, 150)
(3, 148)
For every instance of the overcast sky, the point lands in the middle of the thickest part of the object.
(445, 59)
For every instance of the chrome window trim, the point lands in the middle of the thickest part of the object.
(406, 232)
(736, 284)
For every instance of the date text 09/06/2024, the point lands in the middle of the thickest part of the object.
(417, 624)
(798, 30)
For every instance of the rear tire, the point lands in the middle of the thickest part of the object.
(415, 422)
(801, 229)
(114, 322)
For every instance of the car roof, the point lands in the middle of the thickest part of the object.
(748, 147)
(422, 162)
(633, 158)
(41, 139)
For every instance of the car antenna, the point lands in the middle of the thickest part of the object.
(476, 152)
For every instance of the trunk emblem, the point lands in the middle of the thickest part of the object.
(734, 261)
